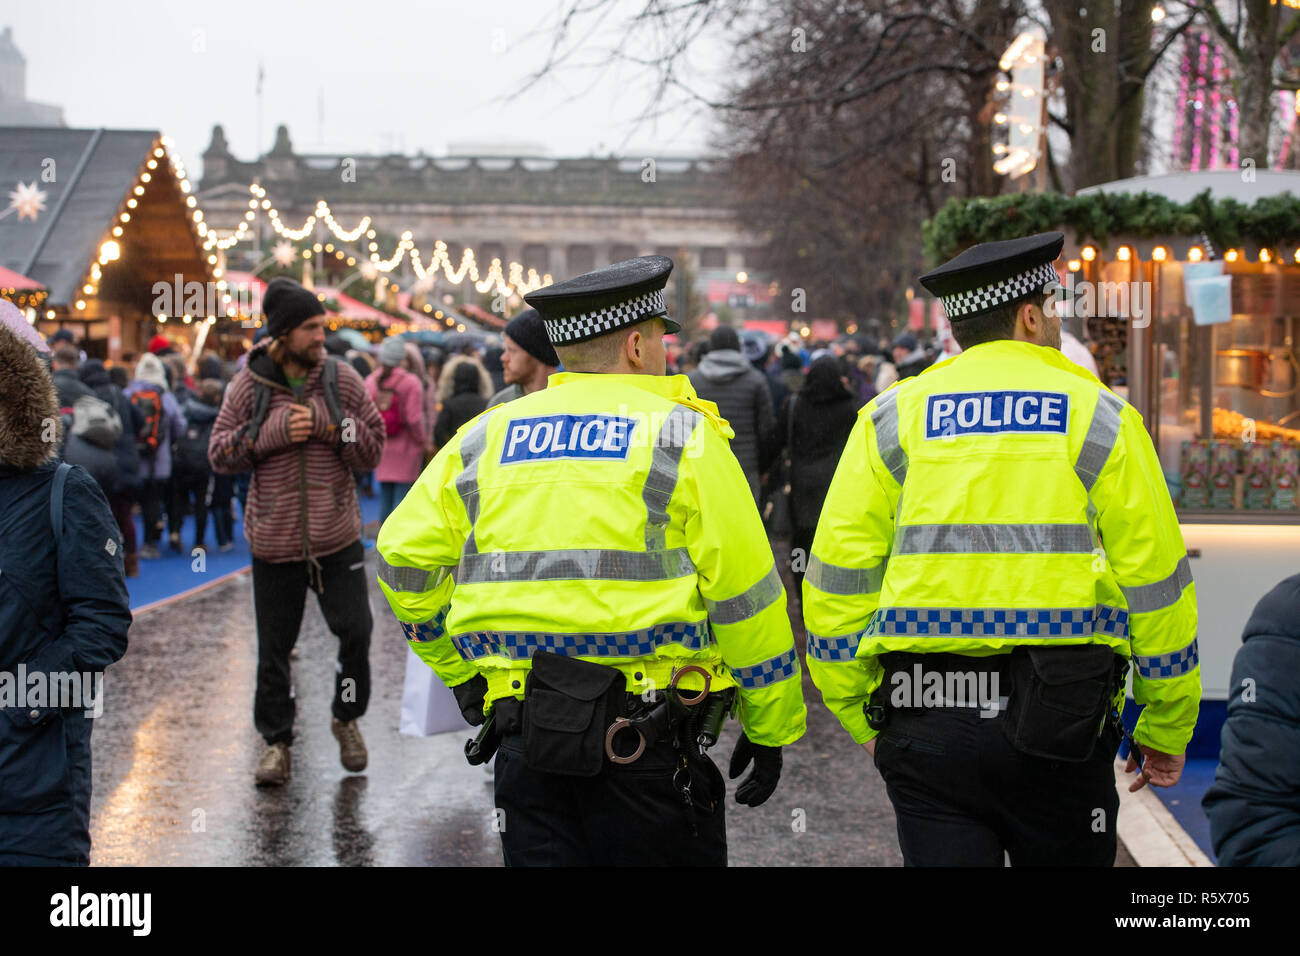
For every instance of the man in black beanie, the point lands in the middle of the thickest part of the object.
(302, 439)
(529, 358)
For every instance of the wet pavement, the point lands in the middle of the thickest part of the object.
(175, 748)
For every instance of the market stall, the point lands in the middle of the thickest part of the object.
(1212, 366)
(1189, 288)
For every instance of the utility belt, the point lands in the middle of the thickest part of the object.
(1056, 703)
(576, 715)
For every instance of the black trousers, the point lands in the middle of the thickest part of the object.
(963, 795)
(223, 515)
(152, 492)
(631, 815)
(279, 595)
(184, 491)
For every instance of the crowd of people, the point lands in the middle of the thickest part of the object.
(145, 437)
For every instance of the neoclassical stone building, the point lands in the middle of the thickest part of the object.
(562, 216)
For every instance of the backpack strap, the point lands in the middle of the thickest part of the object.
(261, 405)
(329, 379)
(56, 500)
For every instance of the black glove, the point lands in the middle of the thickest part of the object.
(469, 698)
(760, 784)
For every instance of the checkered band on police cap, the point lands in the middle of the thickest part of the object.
(999, 293)
(586, 325)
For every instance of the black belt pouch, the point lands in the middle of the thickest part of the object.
(1059, 698)
(568, 706)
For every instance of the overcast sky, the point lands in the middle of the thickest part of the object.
(344, 76)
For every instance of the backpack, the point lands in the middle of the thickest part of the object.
(190, 452)
(96, 421)
(150, 404)
(389, 410)
(329, 380)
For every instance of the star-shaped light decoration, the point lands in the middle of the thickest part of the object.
(284, 253)
(369, 270)
(27, 201)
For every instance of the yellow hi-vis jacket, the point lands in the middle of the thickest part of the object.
(606, 518)
(1002, 497)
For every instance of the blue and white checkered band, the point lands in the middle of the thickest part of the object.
(999, 293)
(587, 325)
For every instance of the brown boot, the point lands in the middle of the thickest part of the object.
(352, 749)
(273, 771)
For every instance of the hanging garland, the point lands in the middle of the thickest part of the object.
(961, 223)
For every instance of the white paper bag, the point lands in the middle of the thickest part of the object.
(428, 706)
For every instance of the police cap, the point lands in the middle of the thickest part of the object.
(992, 274)
(608, 299)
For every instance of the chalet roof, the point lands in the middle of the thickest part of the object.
(87, 176)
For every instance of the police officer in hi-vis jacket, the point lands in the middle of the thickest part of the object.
(585, 568)
(997, 550)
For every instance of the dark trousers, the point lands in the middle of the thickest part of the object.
(279, 595)
(187, 489)
(629, 815)
(121, 504)
(223, 513)
(963, 795)
(151, 506)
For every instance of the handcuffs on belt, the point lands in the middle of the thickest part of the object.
(654, 723)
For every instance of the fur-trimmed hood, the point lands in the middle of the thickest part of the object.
(30, 427)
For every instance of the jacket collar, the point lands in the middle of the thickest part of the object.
(1014, 350)
(675, 388)
(264, 368)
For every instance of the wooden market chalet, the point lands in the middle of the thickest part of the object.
(109, 219)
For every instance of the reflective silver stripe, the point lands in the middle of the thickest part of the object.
(416, 580)
(1152, 597)
(574, 565)
(993, 539)
(746, 605)
(833, 579)
(674, 433)
(843, 648)
(1174, 664)
(1102, 432)
(885, 419)
(471, 450)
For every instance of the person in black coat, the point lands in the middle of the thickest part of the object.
(465, 402)
(64, 615)
(122, 490)
(1254, 804)
(814, 423)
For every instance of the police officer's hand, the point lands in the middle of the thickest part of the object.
(1158, 769)
(870, 747)
(762, 781)
(469, 698)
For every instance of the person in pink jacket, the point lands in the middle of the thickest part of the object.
(399, 396)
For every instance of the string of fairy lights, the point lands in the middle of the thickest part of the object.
(506, 280)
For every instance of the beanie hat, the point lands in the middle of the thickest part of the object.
(906, 341)
(391, 352)
(159, 343)
(724, 337)
(528, 332)
(288, 305)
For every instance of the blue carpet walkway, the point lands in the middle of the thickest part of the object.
(175, 573)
